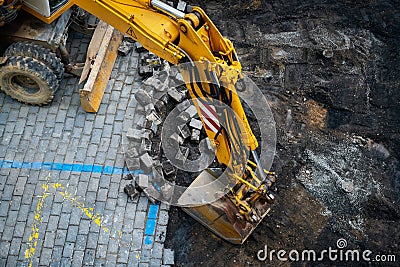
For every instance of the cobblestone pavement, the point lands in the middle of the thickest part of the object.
(62, 176)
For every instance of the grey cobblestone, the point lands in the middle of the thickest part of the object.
(7, 233)
(16, 203)
(72, 233)
(64, 221)
(163, 217)
(19, 229)
(63, 133)
(57, 254)
(53, 223)
(68, 250)
(45, 256)
(134, 259)
(139, 220)
(111, 260)
(92, 240)
(161, 233)
(84, 226)
(49, 239)
(4, 247)
(78, 259)
(12, 260)
(102, 194)
(89, 257)
(80, 242)
(101, 251)
(15, 246)
(4, 206)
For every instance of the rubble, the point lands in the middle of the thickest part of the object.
(137, 134)
(149, 108)
(195, 123)
(160, 106)
(125, 47)
(143, 98)
(146, 70)
(155, 83)
(181, 6)
(184, 131)
(153, 117)
(167, 191)
(133, 162)
(152, 194)
(182, 154)
(134, 134)
(153, 127)
(139, 47)
(146, 162)
(177, 138)
(176, 95)
(132, 150)
(184, 105)
(195, 135)
(191, 111)
(131, 191)
(184, 116)
(145, 145)
(168, 168)
(142, 181)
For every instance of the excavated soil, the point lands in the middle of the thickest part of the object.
(330, 71)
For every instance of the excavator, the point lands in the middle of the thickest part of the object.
(181, 35)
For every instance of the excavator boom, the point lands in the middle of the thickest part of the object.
(190, 37)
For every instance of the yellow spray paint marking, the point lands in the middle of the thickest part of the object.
(95, 217)
(88, 211)
(33, 238)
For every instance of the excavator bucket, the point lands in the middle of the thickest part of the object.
(100, 59)
(221, 216)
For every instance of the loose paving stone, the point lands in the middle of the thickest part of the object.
(146, 162)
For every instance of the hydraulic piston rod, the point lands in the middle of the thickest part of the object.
(167, 8)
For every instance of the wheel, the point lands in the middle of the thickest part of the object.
(38, 52)
(28, 80)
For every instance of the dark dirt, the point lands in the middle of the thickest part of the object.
(330, 71)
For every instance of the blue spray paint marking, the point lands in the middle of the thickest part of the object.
(78, 167)
(151, 224)
(74, 167)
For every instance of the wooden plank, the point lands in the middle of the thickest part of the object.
(93, 91)
(93, 49)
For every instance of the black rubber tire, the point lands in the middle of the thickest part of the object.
(38, 52)
(28, 80)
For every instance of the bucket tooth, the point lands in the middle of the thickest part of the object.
(222, 216)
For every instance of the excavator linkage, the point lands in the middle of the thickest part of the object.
(222, 216)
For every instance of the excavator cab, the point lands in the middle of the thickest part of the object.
(45, 8)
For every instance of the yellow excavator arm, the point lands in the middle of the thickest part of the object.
(191, 37)
(177, 37)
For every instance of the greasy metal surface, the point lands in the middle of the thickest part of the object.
(93, 91)
(27, 27)
(220, 216)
